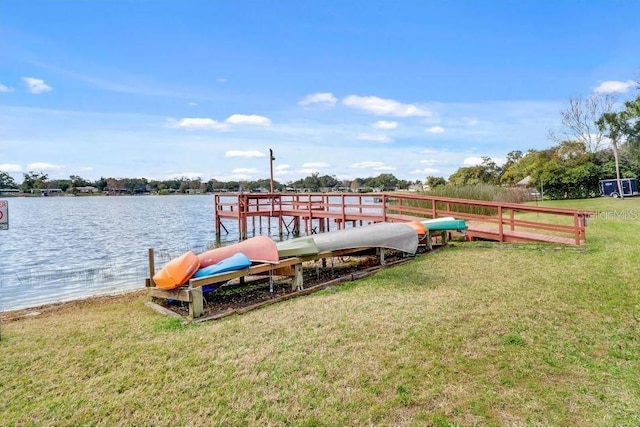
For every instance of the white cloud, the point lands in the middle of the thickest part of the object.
(499, 161)
(376, 166)
(197, 123)
(366, 164)
(431, 162)
(382, 106)
(435, 130)
(244, 154)
(222, 80)
(238, 177)
(4, 88)
(611, 86)
(205, 123)
(282, 168)
(244, 171)
(315, 165)
(36, 86)
(384, 124)
(10, 167)
(307, 170)
(189, 175)
(429, 151)
(43, 166)
(320, 98)
(192, 104)
(374, 138)
(425, 171)
(473, 161)
(248, 119)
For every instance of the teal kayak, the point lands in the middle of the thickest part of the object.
(444, 223)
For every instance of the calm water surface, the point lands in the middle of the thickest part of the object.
(65, 248)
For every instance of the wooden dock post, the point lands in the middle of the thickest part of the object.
(298, 279)
(196, 303)
(152, 267)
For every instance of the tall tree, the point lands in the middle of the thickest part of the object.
(33, 181)
(7, 181)
(434, 182)
(487, 172)
(580, 121)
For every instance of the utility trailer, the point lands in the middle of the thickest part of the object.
(610, 187)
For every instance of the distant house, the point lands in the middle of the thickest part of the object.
(49, 192)
(9, 191)
(87, 189)
(115, 191)
(525, 182)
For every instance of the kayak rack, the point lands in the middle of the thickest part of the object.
(192, 293)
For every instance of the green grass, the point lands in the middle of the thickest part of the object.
(478, 333)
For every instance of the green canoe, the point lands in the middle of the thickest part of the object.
(297, 248)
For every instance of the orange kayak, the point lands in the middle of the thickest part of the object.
(177, 271)
(257, 249)
(418, 227)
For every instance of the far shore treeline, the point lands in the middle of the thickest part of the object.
(566, 170)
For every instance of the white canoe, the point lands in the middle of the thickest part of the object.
(395, 236)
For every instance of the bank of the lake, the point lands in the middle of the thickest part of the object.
(475, 334)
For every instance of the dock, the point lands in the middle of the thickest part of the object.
(309, 213)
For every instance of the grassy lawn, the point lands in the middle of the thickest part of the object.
(478, 333)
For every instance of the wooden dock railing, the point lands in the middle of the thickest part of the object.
(320, 211)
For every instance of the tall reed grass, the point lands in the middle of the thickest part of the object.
(484, 192)
(480, 192)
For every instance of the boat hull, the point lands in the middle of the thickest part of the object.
(420, 228)
(445, 223)
(235, 262)
(297, 247)
(257, 249)
(395, 236)
(177, 271)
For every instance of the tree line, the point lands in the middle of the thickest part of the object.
(36, 181)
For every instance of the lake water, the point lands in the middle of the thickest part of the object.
(65, 248)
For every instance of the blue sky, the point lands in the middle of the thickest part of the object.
(162, 89)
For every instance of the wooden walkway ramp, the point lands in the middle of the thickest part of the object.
(297, 213)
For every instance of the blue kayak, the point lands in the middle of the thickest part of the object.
(236, 262)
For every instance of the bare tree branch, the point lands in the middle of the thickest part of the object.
(579, 121)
